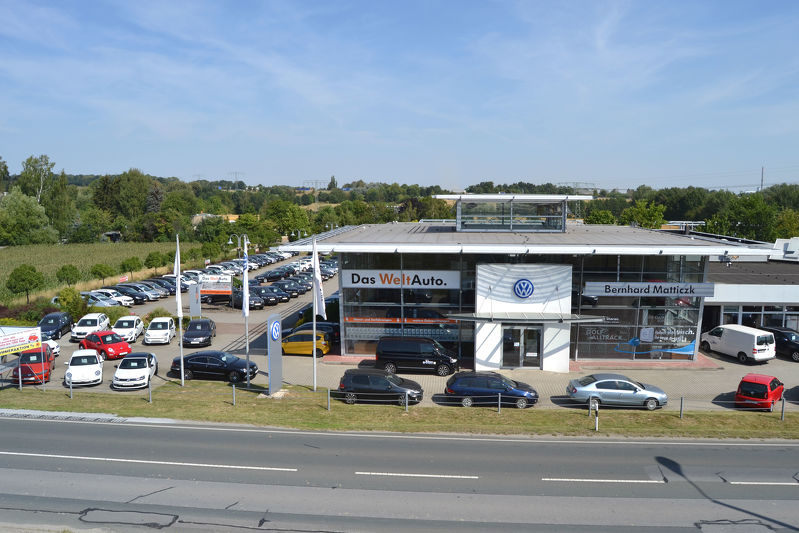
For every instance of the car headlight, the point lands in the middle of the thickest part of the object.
(140, 378)
(97, 372)
(69, 375)
(110, 350)
(453, 360)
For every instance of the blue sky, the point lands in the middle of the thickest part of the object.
(617, 94)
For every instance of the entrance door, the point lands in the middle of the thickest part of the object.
(521, 347)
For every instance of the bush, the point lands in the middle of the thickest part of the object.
(102, 271)
(114, 313)
(157, 312)
(131, 265)
(69, 300)
(17, 322)
(68, 274)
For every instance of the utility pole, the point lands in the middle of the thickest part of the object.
(762, 176)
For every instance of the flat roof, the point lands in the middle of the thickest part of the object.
(532, 198)
(584, 239)
(747, 273)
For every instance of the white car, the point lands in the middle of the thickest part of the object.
(161, 330)
(127, 301)
(135, 371)
(84, 368)
(54, 347)
(183, 279)
(129, 328)
(219, 269)
(89, 324)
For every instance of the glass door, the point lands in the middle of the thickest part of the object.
(521, 346)
(531, 348)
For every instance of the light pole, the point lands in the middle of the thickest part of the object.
(245, 294)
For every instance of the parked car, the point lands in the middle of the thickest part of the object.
(301, 343)
(268, 297)
(183, 278)
(129, 327)
(219, 269)
(787, 342)
(55, 325)
(89, 324)
(36, 365)
(237, 300)
(742, 342)
(108, 344)
(161, 330)
(98, 300)
(135, 371)
(84, 368)
(758, 391)
(331, 328)
(615, 389)
(214, 364)
(149, 292)
(138, 297)
(165, 284)
(272, 275)
(473, 388)
(281, 295)
(414, 353)
(372, 384)
(127, 301)
(291, 287)
(199, 332)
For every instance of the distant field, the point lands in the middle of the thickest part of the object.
(49, 258)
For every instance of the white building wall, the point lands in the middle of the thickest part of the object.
(754, 294)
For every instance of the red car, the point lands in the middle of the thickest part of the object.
(36, 365)
(758, 391)
(107, 343)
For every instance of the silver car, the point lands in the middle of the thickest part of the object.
(615, 389)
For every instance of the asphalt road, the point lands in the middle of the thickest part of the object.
(133, 475)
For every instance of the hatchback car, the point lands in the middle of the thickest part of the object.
(160, 331)
(237, 300)
(473, 388)
(787, 342)
(108, 344)
(331, 328)
(758, 391)
(114, 294)
(129, 328)
(301, 343)
(135, 371)
(84, 368)
(199, 332)
(281, 295)
(36, 365)
(214, 364)
(372, 384)
(268, 297)
(138, 297)
(89, 324)
(615, 389)
(55, 325)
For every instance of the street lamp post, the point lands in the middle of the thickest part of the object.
(245, 295)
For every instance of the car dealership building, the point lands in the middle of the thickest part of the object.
(512, 282)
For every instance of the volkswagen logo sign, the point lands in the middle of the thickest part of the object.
(274, 331)
(523, 288)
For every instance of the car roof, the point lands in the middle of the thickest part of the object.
(366, 371)
(87, 351)
(758, 378)
(484, 373)
(92, 315)
(134, 355)
(105, 332)
(779, 328)
(123, 317)
(609, 375)
(199, 320)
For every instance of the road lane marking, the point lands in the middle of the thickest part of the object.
(399, 474)
(589, 480)
(146, 462)
(777, 483)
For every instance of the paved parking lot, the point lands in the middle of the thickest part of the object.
(707, 384)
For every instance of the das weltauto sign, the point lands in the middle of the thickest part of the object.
(394, 279)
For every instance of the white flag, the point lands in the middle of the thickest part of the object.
(245, 295)
(319, 295)
(177, 277)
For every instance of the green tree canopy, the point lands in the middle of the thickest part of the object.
(156, 259)
(69, 300)
(3, 174)
(787, 225)
(645, 214)
(36, 176)
(25, 278)
(102, 271)
(23, 221)
(600, 216)
(747, 216)
(131, 265)
(68, 274)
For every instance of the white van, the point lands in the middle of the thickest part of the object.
(741, 342)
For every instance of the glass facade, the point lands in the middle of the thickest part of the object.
(634, 327)
(511, 216)
(761, 315)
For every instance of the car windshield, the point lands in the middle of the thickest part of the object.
(587, 380)
(28, 358)
(508, 383)
(158, 325)
(111, 338)
(138, 362)
(125, 324)
(199, 327)
(228, 357)
(83, 360)
(793, 337)
(394, 380)
(87, 322)
(48, 321)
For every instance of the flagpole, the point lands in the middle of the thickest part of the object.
(315, 289)
(245, 306)
(179, 304)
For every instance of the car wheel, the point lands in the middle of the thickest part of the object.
(319, 352)
(350, 398)
(467, 401)
(442, 370)
(706, 347)
(58, 334)
(795, 356)
(234, 377)
(188, 374)
(742, 358)
(521, 403)
(651, 404)
(391, 368)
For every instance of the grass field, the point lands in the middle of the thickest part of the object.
(49, 258)
(300, 408)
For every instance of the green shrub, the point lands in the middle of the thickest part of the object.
(157, 312)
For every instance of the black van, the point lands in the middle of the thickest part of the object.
(417, 353)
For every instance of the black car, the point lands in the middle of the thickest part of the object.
(139, 298)
(472, 388)
(214, 364)
(199, 332)
(281, 295)
(273, 275)
(264, 294)
(291, 287)
(237, 300)
(787, 341)
(372, 384)
(54, 325)
(307, 284)
(164, 284)
(331, 328)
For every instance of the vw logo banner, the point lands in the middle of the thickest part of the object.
(523, 288)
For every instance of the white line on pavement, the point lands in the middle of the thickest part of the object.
(778, 483)
(584, 480)
(398, 474)
(141, 461)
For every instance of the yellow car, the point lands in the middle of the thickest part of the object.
(301, 343)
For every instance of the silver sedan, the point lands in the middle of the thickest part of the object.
(615, 389)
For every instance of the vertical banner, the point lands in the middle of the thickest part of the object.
(245, 295)
(195, 304)
(177, 277)
(274, 352)
(318, 292)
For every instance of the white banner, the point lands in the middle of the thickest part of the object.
(655, 289)
(19, 341)
(396, 279)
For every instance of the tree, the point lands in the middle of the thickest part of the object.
(645, 214)
(155, 198)
(68, 274)
(36, 176)
(747, 216)
(154, 260)
(58, 201)
(133, 189)
(3, 174)
(600, 216)
(25, 278)
(23, 221)
(130, 265)
(69, 300)
(787, 224)
(332, 185)
(286, 216)
(91, 223)
(101, 270)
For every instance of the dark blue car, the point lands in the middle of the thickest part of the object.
(474, 388)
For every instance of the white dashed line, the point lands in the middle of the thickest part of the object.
(584, 480)
(399, 474)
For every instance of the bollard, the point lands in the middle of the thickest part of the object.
(150, 390)
(19, 373)
(596, 420)
(782, 411)
(234, 395)
(499, 402)
(406, 402)
(328, 399)
(70, 389)
(681, 405)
